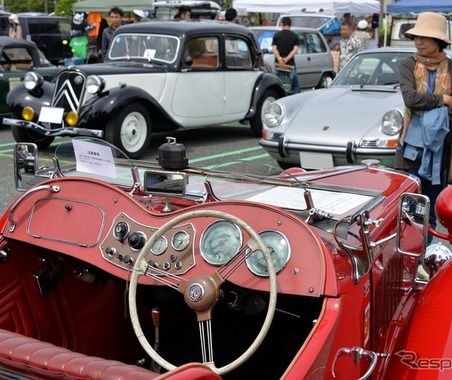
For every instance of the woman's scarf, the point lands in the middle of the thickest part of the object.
(442, 80)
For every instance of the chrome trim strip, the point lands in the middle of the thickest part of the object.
(53, 132)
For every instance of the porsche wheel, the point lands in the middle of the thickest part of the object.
(25, 135)
(130, 130)
(256, 120)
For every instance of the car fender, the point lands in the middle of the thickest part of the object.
(19, 95)
(109, 103)
(425, 350)
(264, 82)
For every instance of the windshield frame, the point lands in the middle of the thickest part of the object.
(148, 47)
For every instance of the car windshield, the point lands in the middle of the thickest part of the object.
(264, 37)
(372, 69)
(151, 47)
(315, 22)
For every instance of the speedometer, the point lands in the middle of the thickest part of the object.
(279, 249)
(220, 242)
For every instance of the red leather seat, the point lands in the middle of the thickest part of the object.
(42, 360)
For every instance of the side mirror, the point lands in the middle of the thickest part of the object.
(25, 165)
(412, 224)
(265, 51)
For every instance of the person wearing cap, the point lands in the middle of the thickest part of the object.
(425, 83)
(140, 15)
(15, 30)
(285, 45)
(361, 34)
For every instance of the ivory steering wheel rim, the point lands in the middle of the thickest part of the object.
(140, 267)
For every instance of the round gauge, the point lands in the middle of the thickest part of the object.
(160, 246)
(279, 248)
(180, 240)
(220, 242)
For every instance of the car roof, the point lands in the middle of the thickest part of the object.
(306, 14)
(388, 49)
(278, 28)
(4, 40)
(183, 27)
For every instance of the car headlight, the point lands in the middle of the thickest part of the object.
(33, 80)
(392, 122)
(273, 114)
(94, 84)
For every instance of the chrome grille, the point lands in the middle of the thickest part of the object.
(69, 90)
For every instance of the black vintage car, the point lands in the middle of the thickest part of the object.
(156, 76)
(17, 57)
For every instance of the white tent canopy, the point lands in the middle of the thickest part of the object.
(106, 5)
(333, 7)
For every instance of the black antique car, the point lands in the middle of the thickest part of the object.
(156, 76)
(17, 57)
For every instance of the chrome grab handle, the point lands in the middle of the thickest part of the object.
(12, 224)
(357, 354)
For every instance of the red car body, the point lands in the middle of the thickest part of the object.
(348, 301)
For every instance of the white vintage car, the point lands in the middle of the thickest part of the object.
(157, 76)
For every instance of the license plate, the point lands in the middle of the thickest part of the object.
(52, 115)
(313, 160)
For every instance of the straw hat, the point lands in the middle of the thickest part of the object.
(430, 24)
(13, 18)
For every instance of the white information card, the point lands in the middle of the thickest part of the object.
(94, 158)
(333, 202)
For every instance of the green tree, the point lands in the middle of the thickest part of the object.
(64, 8)
(17, 6)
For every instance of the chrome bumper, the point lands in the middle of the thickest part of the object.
(53, 132)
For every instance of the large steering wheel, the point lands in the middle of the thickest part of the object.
(201, 293)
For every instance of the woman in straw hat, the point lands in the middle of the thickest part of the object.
(15, 30)
(425, 82)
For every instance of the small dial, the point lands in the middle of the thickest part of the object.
(121, 231)
(180, 240)
(160, 246)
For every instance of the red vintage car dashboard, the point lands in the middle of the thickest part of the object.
(69, 248)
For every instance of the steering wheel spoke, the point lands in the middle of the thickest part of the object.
(206, 339)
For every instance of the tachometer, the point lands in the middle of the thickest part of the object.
(279, 248)
(220, 242)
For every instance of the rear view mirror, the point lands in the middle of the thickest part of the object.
(160, 182)
(412, 224)
(25, 165)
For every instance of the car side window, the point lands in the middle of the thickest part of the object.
(16, 59)
(203, 52)
(303, 49)
(314, 43)
(238, 54)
